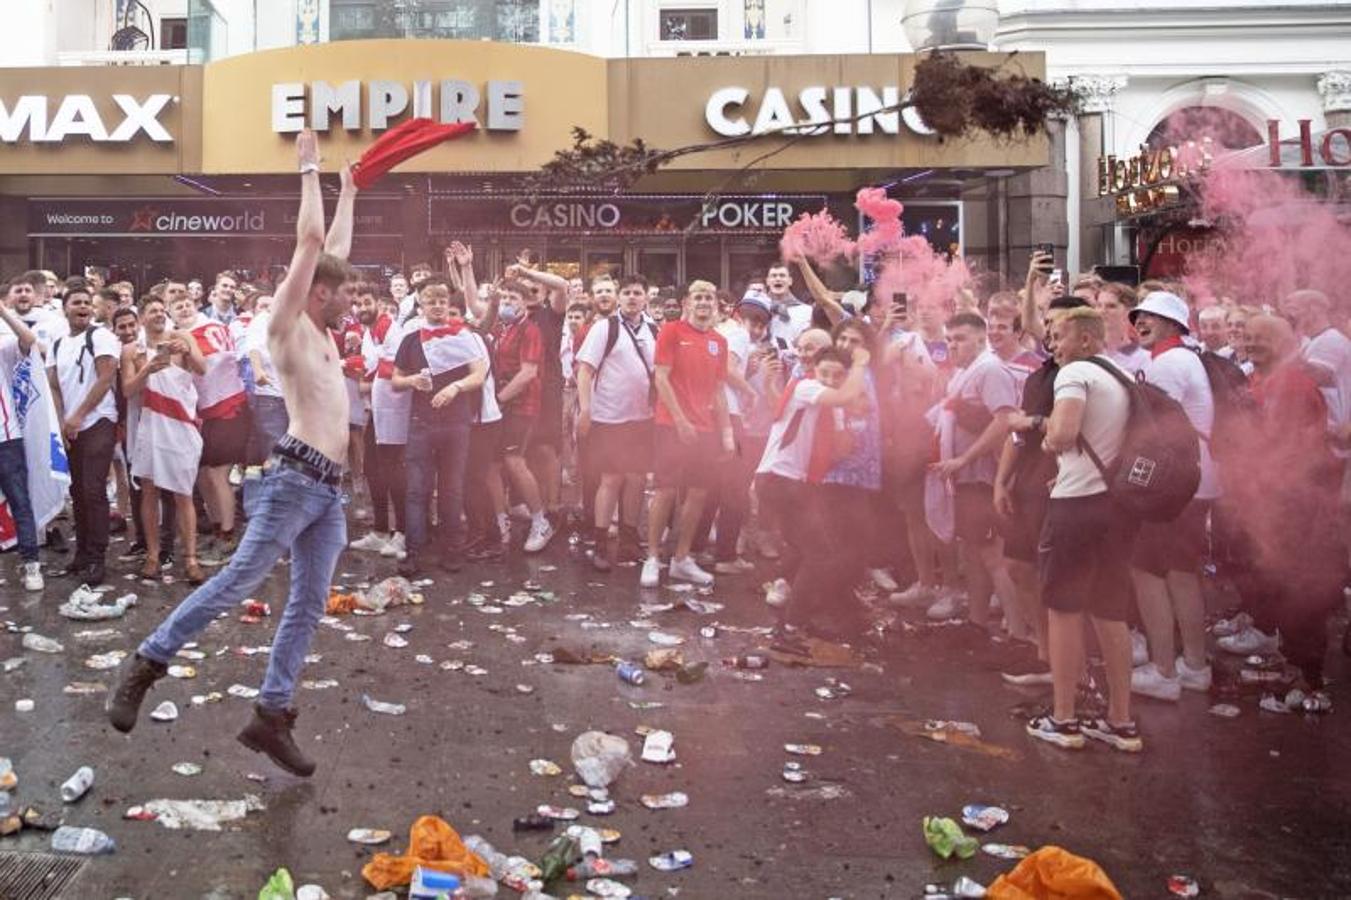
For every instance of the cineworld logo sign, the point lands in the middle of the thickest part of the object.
(817, 111)
(150, 219)
(450, 101)
(77, 116)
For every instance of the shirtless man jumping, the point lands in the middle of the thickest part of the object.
(299, 507)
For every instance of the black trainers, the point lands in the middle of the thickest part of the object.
(1122, 737)
(409, 567)
(124, 703)
(1053, 731)
(135, 552)
(270, 733)
(95, 574)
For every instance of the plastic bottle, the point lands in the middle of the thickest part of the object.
(496, 862)
(602, 868)
(76, 786)
(84, 841)
(473, 886)
(6, 804)
(747, 661)
(562, 853)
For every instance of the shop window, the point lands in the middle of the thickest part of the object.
(502, 20)
(686, 24)
(173, 34)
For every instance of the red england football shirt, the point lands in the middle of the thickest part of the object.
(698, 361)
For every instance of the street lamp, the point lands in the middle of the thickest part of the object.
(950, 24)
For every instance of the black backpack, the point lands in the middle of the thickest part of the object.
(612, 338)
(1235, 408)
(1159, 468)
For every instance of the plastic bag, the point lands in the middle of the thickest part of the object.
(599, 757)
(1053, 873)
(432, 844)
(945, 837)
(278, 887)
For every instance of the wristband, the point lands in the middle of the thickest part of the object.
(307, 168)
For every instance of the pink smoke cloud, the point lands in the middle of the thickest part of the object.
(818, 237)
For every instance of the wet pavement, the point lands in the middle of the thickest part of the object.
(1256, 806)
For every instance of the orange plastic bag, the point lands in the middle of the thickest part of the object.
(1053, 873)
(432, 844)
(340, 604)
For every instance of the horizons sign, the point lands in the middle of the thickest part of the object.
(819, 111)
(77, 116)
(459, 101)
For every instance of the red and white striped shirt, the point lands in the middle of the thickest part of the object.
(220, 391)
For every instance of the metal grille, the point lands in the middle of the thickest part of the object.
(37, 876)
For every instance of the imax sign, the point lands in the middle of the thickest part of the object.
(77, 116)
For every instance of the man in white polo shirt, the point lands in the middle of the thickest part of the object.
(1166, 565)
(81, 368)
(614, 412)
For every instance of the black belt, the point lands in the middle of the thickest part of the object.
(332, 479)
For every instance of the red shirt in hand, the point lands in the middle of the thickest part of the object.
(698, 361)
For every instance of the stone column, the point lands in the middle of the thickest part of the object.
(1335, 88)
(1036, 210)
(1096, 93)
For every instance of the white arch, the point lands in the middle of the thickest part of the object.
(1239, 97)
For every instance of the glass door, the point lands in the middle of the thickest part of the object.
(603, 259)
(660, 265)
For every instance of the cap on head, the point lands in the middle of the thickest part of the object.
(1165, 306)
(756, 300)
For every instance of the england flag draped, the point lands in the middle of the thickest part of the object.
(48, 466)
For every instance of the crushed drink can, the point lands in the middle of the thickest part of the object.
(793, 773)
(256, 608)
(544, 767)
(186, 769)
(532, 823)
(1183, 886)
(802, 749)
(77, 785)
(961, 889)
(630, 672)
(708, 632)
(604, 887)
(564, 813)
(1225, 710)
(1006, 851)
(984, 818)
(368, 836)
(671, 861)
(673, 800)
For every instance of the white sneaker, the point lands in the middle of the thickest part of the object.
(1248, 641)
(914, 596)
(1193, 679)
(882, 578)
(521, 511)
(396, 547)
(373, 542)
(1139, 649)
(1231, 626)
(541, 532)
(947, 606)
(776, 592)
(688, 570)
(31, 573)
(651, 576)
(1149, 681)
(730, 567)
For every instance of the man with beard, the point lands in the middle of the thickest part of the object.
(299, 507)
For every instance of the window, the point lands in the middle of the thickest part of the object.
(689, 24)
(173, 34)
(503, 20)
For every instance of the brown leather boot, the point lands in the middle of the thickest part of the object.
(270, 733)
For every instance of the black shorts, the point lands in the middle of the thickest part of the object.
(1084, 551)
(623, 447)
(679, 465)
(225, 442)
(1176, 546)
(1022, 530)
(974, 510)
(516, 434)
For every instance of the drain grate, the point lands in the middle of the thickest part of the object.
(37, 876)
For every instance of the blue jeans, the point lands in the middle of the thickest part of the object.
(295, 513)
(436, 457)
(270, 421)
(14, 485)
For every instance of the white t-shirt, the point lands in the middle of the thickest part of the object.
(792, 461)
(1106, 409)
(621, 389)
(1180, 373)
(10, 357)
(1130, 359)
(799, 320)
(989, 383)
(489, 412)
(255, 339)
(75, 372)
(738, 348)
(46, 325)
(1330, 351)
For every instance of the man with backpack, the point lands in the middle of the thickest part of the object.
(614, 414)
(1166, 565)
(82, 368)
(1086, 539)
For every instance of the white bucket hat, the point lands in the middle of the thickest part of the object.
(1165, 306)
